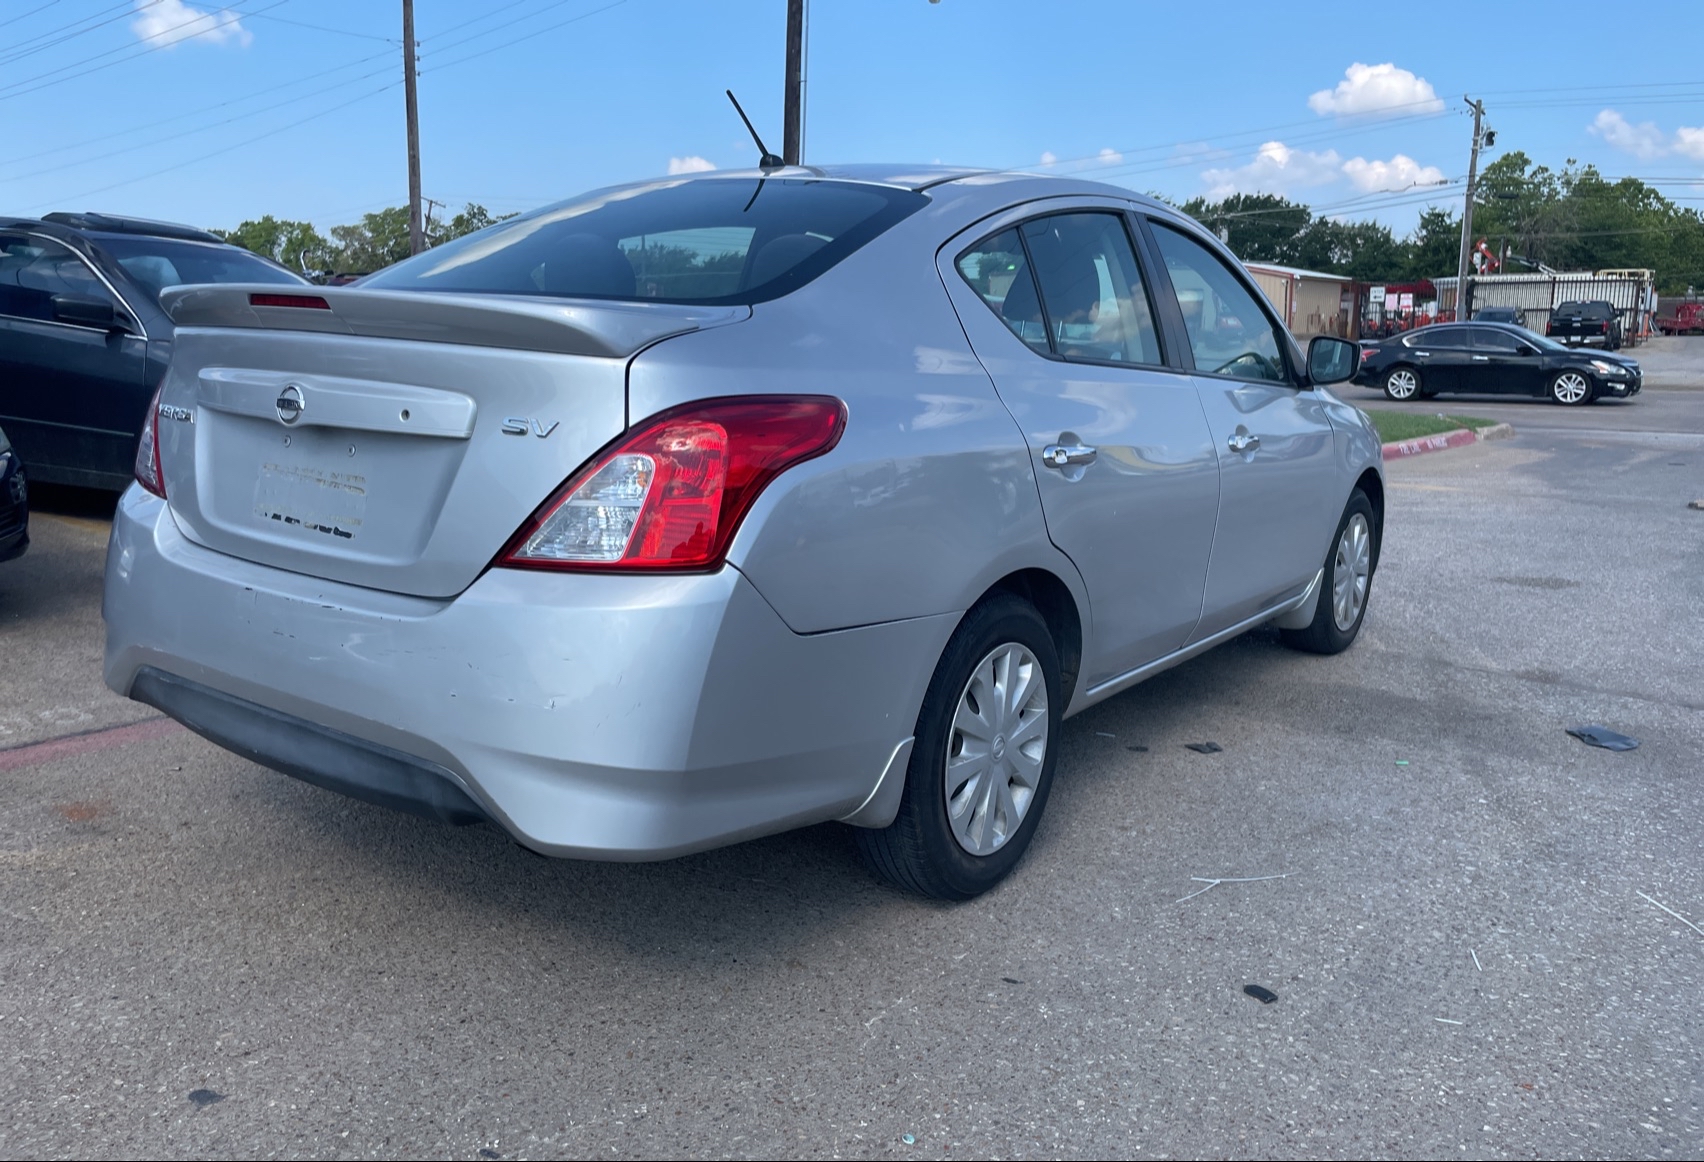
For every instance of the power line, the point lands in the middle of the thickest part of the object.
(27, 15)
(528, 36)
(24, 47)
(324, 28)
(18, 91)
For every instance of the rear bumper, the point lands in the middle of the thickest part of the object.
(589, 716)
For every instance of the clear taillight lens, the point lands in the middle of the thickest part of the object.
(671, 493)
(148, 451)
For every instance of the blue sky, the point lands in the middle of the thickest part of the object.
(211, 114)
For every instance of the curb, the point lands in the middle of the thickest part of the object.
(1443, 441)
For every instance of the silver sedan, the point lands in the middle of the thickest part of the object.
(699, 509)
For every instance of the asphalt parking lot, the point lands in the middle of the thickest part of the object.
(201, 957)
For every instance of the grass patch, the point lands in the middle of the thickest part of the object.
(1393, 426)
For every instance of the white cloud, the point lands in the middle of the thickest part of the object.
(692, 164)
(1110, 157)
(1399, 173)
(1377, 89)
(1643, 140)
(167, 22)
(1276, 169)
(1048, 157)
(1690, 142)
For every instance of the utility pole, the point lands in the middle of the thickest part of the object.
(1478, 108)
(416, 227)
(793, 107)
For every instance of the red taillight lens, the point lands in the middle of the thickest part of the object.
(271, 300)
(1366, 354)
(148, 451)
(671, 493)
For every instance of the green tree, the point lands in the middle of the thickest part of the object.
(473, 217)
(376, 241)
(296, 245)
(1257, 227)
(1434, 247)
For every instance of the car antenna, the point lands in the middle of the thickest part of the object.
(767, 160)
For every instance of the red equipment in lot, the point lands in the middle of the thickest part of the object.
(1688, 319)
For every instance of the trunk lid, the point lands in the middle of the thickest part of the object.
(393, 440)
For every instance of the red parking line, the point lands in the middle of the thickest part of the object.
(89, 740)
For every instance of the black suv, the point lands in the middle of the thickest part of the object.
(83, 341)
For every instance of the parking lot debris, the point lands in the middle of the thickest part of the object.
(1696, 503)
(1138, 749)
(1264, 995)
(1604, 737)
(1447, 1021)
(1677, 915)
(1401, 762)
(488, 1152)
(1213, 883)
(1476, 963)
(202, 1098)
(908, 1139)
(1204, 747)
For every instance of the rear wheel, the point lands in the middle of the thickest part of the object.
(1345, 586)
(1402, 383)
(982, 764)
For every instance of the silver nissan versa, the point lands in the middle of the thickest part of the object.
(699, 509)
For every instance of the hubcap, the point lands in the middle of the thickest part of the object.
(996, 749)
(1402, 384)
(1350, 571)
(1571, 387)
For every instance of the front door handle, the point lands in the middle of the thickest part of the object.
(1243, 442)
(1482, 358)
(1065, 455)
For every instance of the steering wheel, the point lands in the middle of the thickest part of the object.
(1253, 359)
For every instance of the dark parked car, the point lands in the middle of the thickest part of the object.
(1591, 324)
(14, 504)
(83, 341)
(1512, 315)
(1494, 358)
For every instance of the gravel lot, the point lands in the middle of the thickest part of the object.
(205, 958)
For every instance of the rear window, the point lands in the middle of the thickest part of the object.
(719, 240)
(157, 263)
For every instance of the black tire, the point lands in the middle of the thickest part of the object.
(1323, 635)
(1558, 394)
(918, 851)
(1397, 383)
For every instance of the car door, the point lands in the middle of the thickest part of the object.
(1443, 355)
(1502, 363)
(67, 389)
(1280, 488)
(1060, 316)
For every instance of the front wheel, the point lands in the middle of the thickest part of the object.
(982, 763)
(1402, 383)
(1345, 585)
(1571, 388)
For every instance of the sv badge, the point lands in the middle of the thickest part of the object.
(520, 426)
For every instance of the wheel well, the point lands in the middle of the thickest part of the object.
(1058, 608)
(1370, 484)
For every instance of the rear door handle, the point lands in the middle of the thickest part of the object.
(1243, 442)
(1482, 358)
(1065, 455)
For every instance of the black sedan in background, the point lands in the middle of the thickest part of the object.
(1494, 358)
(83, 341)
(14, 504)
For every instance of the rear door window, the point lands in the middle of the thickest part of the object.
(1091, 289)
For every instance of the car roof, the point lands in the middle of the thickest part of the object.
(112, 224)
(944, 183)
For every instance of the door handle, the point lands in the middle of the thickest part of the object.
(1243, 442)
(1423, 354)
(1065, 455)
(1482, 358)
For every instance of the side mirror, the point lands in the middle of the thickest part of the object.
(86, 311)
(1332, 360)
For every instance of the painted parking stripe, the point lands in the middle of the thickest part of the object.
(68, 745)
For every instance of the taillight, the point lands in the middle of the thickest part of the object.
(313, 302)
(1366, 354)
(148, 451)
(671, 493)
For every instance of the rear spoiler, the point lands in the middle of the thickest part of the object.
(558, 326)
